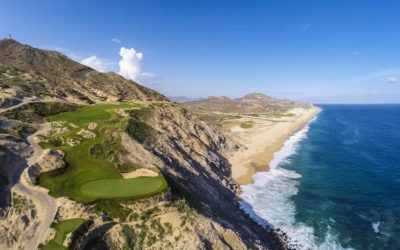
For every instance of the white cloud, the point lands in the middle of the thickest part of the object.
(130, 63)
(392, 79)
(116, 40)
(95, 63)
(148, 75)
(130, 66)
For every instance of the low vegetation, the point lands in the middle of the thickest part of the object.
(147, 232)
(35, 111)
(20, 204)
(63, 228)
(91, 174)
(277, 114)
(130, 237)
(112, 209)
(247, 124)
(137, 127)
(217, 119)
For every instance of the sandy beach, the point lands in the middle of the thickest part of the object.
(262, 140)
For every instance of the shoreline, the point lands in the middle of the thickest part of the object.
(266, 137)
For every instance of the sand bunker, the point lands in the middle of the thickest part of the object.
(140, 172)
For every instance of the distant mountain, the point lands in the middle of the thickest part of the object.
(250, 103)
(182, 99)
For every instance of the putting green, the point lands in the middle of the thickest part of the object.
(88, 178)
(124, 188)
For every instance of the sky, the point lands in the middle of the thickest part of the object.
(317, 51)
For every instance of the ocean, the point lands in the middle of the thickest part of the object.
(335, 184)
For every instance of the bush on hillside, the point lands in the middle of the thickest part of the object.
(36, 111)
(137, 127)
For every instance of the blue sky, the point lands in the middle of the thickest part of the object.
(319, 51)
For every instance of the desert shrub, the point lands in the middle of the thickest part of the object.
(148, 213)
(168, 226)
(137, 127)
(151, 240)
(20, 204)
(126, 167)
(34, 112)
(130, 237)
(55, 141)
(112, 209)
(142, 114)
(134, 216)
(246, 124)
(139, 130)
(141, 236)
(109, 149)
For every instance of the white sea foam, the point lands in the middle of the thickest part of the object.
(375, 226)
(268, 199)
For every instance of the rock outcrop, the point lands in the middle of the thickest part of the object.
(17, 223)
(14, 151)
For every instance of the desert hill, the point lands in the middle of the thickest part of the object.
(253, 103)
(29, 72)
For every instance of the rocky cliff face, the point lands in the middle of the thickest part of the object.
(14, 151)
(189, 153)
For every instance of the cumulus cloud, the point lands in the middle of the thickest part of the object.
(116, 40)
(392, 79)
(94, 62)
(130, 63)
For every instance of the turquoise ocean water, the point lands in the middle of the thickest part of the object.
(336, 183)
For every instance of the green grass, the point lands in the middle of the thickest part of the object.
(246, 124)
(85, 168)
(62, 229)
(217, 119)
(278, 114)
(124, 188)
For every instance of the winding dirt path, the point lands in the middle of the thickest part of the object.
(46, 204)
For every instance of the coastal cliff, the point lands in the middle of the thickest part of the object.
(187, 151)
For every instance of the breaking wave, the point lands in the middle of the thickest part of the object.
(268, 199)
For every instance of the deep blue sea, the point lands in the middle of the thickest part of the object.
(336, 183)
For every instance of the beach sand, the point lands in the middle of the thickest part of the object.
(262, 140)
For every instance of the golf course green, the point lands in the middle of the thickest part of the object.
(87, 178)
(62, 229)
(117, 188)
